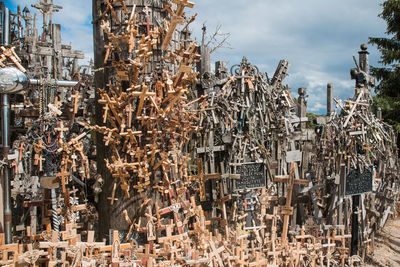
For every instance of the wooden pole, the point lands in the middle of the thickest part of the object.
(329, 99)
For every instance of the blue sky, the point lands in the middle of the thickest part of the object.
(318, 37)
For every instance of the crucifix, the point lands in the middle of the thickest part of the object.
(287, 210)
(63, 174)
(61, 129)
(201, 178)
(47, 8)
(38, 151)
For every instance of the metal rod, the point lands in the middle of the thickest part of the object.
(6, 26)
(5, 108)
(5, 126)
(59, 83)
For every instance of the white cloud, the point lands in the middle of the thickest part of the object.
(318, 38)
(75, 18)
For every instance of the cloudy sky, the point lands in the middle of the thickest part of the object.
(318, 37)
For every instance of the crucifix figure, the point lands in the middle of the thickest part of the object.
(47, 8)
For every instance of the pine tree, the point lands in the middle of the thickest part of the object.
(388, 89)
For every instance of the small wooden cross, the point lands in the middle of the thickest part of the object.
(76, 96)
(61, 129)
(129, 111)
(38, 149)
(112, 198)
(54, 109)
(63, 174)
(106, 108)
(20, 150)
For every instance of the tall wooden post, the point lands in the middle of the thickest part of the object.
(99, 82)
(302, 106)
(379, 114)
(329, 99)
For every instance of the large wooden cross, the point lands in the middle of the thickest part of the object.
(201, 178)
(142, 95)
(287, 210)
(210, 149)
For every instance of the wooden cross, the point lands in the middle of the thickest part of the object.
(54, 109)
(63, 176)
(124, 185)
(176, 19)
(142, 95)
(20, 150)
(210, 149)
(216, 253)
(111, 8)
(147, 11)
(129, 111)
(69, 234)
(41, 159)
(112, 198)
(116, 246)
(201, 178)
(10, 53)
(61, 129)
(353, 108)
(329, 245)
(344, 251)
(76, 96)
(38, 149)
(106, 108)
(287, 210)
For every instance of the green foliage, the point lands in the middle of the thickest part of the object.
(311, 123)
(388, 76)
(390, 107)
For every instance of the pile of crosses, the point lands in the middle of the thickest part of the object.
(225, 175)
(359, 163)
(49, 154)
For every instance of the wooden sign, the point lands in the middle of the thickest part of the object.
(252, 175)
(358, 183)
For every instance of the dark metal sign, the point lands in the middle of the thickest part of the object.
(252, 175)
(358, 183)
